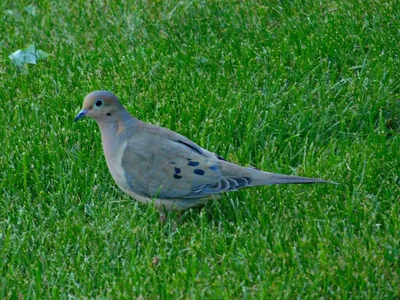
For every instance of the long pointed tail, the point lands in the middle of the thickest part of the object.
(237, 177)
(266, 178)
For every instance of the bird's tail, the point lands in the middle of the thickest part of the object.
(266, 178)
(239, 177)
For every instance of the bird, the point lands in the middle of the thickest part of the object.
(156, 165)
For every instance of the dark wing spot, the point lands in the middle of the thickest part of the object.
(198, 172)
(172, 163)
(177, 170)
(177, 176)
(214, 168)
(193, 163)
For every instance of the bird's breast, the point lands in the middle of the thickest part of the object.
(113, 151)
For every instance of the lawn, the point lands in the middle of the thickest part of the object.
(308, 88)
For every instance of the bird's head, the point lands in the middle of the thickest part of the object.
(100, 105)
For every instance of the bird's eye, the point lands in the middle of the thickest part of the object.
(98, 103)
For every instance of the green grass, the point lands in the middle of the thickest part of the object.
(301, 87)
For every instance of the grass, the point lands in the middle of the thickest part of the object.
(301, 87)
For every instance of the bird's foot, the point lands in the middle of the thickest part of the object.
(163, 218)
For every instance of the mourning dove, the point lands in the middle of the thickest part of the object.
(156, 165)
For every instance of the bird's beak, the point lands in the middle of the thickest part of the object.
(81, 114)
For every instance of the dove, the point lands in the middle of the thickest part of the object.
(153, 164)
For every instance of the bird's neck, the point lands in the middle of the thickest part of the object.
(116, 128)
(117, 124)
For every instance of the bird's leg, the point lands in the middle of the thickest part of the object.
(180, 214)
(163, 217)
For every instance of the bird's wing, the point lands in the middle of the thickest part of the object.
(162, 164)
